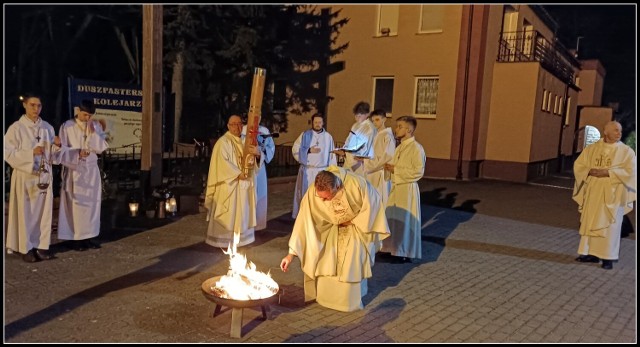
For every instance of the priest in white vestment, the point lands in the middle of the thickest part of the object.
(312, 149)
(267, 148)
(605, 189)
(335, 236)
(403, 208)
(230, 196)
(384, 147)
(30, 147)
(359, 142)
(81, 191)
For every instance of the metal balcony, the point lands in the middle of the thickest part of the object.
(531, 46)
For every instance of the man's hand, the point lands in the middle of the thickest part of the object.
(286, 261)
(389, 167)
(338, 152)
(314, 150)
(56, 141)
(344, 224)
(242, 176)
(255, 150)
(599, 172)
(38, 150)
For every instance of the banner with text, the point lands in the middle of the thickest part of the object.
(118, 109)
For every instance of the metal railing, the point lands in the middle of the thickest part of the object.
(531, 46)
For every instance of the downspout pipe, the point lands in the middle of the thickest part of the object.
(464, 95)
(563, 121)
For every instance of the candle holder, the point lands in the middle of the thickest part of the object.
(171, 206)
(133, 208)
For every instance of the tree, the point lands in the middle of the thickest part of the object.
(58, 41)
(293, 43)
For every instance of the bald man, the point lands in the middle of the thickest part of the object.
(605, 190)
(230, 196)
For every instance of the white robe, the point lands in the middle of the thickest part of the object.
(603, 201)
(268, 148)
(337, 260)
(81, 191)
(384, 147)
(230, 201)
(312, 163)
(360, 137)
(30, 208)
(403, 207)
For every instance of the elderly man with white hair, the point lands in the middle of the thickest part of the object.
(605, 190)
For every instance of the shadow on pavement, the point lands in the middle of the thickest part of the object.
(168, 264)
(437, 224)
(440, 218)
(383, 314)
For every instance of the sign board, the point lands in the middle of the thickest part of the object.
(118, 109)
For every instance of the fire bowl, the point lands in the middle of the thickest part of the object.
(209, 294)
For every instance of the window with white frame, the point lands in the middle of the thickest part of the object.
(555, 106)
(431, 18)
(544, 99)
(383, 94)
(549, 100)
(388, 20)
(426, 96)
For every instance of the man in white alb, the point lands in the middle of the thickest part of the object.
(312, 149)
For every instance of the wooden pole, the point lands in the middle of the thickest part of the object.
(151, 156)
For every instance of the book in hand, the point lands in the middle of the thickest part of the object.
(350, 149)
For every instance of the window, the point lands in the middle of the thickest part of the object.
(566, 118)
(383, 94)
(549, 99)
(555, 106)
(431, 18)
(387, 20)
(544, 100)
(426, 96)
(527, 39)
(561, 105)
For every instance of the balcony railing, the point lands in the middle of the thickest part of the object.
(531, 46)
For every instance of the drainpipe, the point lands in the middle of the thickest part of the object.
(464, 101)
(563, 120)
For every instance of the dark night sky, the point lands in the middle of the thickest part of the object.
(608, 34)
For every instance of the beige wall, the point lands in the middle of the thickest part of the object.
(494, 27)
(525, 12)
(592, 77)
(512, 105)
(404, 56)
(596, 117)
(505, 124)
(297, 124)
(547, 124)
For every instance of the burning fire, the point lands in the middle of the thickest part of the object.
(243, 281)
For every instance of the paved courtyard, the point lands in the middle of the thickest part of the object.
(498, 266)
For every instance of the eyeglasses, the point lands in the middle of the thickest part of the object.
(333, 196)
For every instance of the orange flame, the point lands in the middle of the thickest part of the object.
(243, 281)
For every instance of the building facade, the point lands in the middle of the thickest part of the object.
(494, 93)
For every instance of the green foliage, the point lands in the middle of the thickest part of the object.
(222, 44)
(630, 140)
